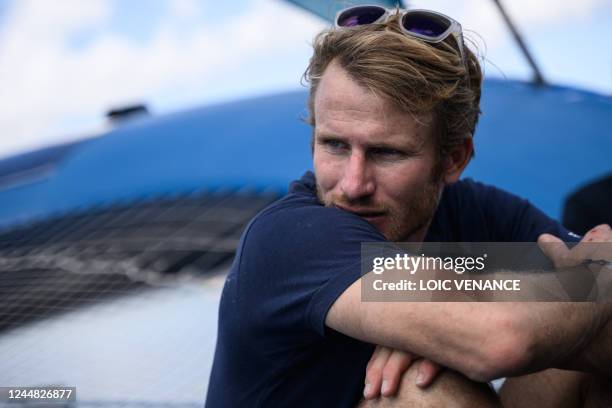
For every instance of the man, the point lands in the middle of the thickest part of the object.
(394, 106)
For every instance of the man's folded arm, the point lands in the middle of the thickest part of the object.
(597, 355)
(481, 340)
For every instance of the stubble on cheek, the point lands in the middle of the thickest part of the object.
(417, 214)
(401, 223)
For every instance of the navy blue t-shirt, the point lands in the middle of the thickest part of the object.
(294, 260)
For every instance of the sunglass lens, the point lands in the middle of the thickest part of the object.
(430, 25)
(357, 16)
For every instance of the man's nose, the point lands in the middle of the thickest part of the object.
(358, 179)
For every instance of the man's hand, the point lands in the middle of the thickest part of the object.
(597, 353)
(386, 367)
(562, 256)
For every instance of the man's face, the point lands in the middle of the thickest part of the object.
(372, 159)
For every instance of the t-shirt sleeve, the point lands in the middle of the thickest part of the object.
(293, 265)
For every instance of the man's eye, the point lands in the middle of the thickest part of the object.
(384, 153)
(334, 145)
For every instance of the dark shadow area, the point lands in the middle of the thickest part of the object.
(589, 206)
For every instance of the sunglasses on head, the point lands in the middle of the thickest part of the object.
(425, 25)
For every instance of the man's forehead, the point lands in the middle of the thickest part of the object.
(338, 90)
(343, 105)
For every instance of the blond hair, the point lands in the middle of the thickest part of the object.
(418, 77)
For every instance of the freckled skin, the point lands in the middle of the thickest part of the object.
(373, 159)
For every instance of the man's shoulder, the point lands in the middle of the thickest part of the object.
(300, 219)
(469, 187)
(471, 195)
(299, 209)
(507, 216)
(474, 211)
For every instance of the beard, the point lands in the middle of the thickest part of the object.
(414, 217)
(406, 222)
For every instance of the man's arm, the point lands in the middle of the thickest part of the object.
(482, 340)
(596, 356)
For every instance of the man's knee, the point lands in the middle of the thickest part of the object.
(450, 389)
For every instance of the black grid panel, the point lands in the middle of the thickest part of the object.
(76, 259)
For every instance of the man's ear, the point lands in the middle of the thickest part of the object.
(457, 160)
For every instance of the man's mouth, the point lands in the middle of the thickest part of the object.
(367, 213)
